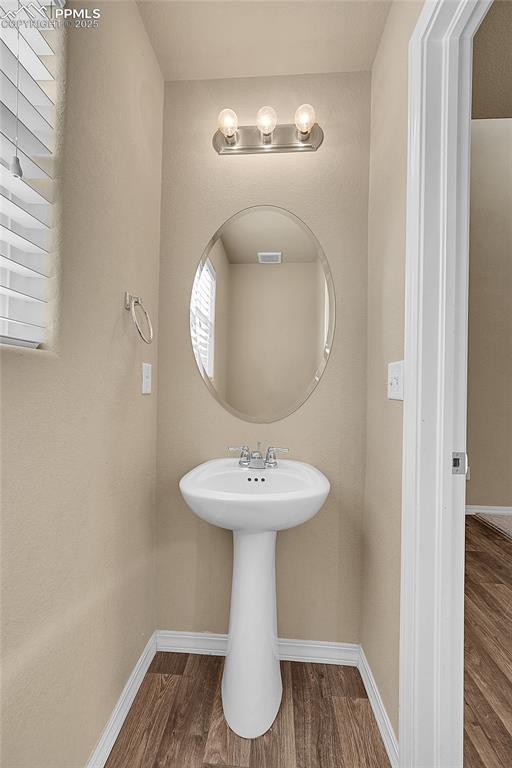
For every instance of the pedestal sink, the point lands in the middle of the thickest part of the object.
(254, 504)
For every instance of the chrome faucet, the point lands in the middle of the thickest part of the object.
(254, 459)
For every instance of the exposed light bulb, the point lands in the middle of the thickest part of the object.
(305, 119)
(266, 120)
(228, 123)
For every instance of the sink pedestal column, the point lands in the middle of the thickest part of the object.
(251, 684)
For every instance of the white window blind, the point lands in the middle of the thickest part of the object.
(202, 316)
(26, 90)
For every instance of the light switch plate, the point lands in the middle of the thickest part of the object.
(146, 378)
(396, 380)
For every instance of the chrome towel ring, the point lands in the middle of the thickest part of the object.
(130, 302)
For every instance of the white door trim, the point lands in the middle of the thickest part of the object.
(433, 500)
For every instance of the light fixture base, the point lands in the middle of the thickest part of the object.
(284, 139)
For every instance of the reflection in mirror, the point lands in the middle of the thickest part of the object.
(262, 314)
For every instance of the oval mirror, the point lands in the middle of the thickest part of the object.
(262, 314)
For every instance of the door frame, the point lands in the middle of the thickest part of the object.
(435, 384)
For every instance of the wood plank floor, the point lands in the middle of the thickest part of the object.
(488, 648)
(176, 721)
(325, 720)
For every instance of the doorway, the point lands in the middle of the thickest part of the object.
(436, 332)
(488, 583)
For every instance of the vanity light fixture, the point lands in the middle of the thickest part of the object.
(304, 135)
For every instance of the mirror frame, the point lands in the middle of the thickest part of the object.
(316, 377)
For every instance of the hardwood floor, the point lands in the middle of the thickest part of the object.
(488, 648)
(176, 721)
(325, 720)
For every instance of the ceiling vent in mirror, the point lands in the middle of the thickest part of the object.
(270, 257)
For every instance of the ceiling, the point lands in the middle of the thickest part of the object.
(267, 230)
(196, 40)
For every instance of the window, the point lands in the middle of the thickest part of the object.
(27, 121)
(202, 316)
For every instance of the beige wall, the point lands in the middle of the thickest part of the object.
(386, 269)
(274, 349)
(492, 63)
(319, 563)
(79, 440)
(490, 315)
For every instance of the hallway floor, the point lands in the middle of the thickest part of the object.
(176, 720)
(488, 648)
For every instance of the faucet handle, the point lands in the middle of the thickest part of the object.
(245, 454)
(270, 460)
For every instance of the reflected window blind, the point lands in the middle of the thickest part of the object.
(25, 203)
(202, 316)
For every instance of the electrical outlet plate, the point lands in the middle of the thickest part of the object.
(396, 380)
(146, 378)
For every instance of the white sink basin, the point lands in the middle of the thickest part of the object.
(225, 494)
(254, 504)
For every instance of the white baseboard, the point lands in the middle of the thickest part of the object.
(191, 642)
(471, 509)
(289, 650)
(121, 709)
(314, 651)
(379, 710)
